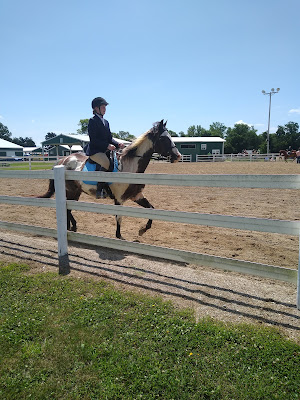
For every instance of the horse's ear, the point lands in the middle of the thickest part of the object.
(161, 122)
(165, 123)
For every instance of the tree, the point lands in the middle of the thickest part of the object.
(262, 142)
(191, 131)
(172, 133)
(196, 131)
(24, 142)
(5, 133)
(50, 135)
(83, 123)
(287, 135)
(181, 134)
(217, 129)
(124, 136)
(241, 137)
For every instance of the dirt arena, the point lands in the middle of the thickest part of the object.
(265, 248)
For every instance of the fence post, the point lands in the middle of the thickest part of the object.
(61, 218)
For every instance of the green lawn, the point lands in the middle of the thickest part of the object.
(20, 165)
(67, 338)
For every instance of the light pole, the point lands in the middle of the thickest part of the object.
(272, 91)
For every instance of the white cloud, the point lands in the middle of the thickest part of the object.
(295, 111)
(243, 123)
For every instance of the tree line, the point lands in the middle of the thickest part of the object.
(242, 136)
(7, 135)
(238, 138)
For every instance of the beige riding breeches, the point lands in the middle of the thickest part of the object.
(101, 158)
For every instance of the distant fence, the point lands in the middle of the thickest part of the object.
(239, 157)
(232, 157)
(31, 159)
(232, 222)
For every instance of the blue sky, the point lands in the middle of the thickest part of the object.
(192, 62)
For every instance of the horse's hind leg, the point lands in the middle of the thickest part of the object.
(74, 190)
(144, 203)
(71, 220)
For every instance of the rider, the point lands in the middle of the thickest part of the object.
(101, 140)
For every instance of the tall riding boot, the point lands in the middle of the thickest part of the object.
(100, 185)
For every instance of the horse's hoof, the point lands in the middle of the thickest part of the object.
(142, 231)
(136, 241)
(120, 237)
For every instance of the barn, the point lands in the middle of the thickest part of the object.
(63, 145)
(10, 150)
(201, 146)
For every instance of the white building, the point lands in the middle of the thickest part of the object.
(10, 150)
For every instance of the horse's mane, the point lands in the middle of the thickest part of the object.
(130, 150)
(135, 144)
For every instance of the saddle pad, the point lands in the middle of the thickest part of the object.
(92, 167)
(89, 167)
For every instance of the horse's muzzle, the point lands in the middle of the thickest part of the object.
(175, 156)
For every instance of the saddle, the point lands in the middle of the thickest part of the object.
(92, 166)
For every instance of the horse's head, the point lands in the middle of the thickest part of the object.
(163, 143)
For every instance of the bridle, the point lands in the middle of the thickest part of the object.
(166, 134)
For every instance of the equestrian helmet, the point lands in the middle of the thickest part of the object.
(99, 101)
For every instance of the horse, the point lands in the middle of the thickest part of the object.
(286, 155)
(134, 158)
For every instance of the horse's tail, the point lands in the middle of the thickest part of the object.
(50, 192)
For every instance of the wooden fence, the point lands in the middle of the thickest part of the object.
(228, 181)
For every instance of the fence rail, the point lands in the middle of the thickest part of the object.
(283, 227)
(13, 161)
(228, 181)
(230, 222)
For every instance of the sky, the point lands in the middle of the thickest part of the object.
(191, 62)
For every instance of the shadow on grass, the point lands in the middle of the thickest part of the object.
(211, 296)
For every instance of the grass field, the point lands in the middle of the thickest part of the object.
(67, 338)
(35, 165)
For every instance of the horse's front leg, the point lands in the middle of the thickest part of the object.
(144, 203)
(118, 221)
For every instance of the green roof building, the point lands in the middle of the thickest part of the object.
(191, 147)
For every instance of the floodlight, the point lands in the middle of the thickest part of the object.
(272, 91)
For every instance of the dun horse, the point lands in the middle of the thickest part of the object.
(134, 158)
